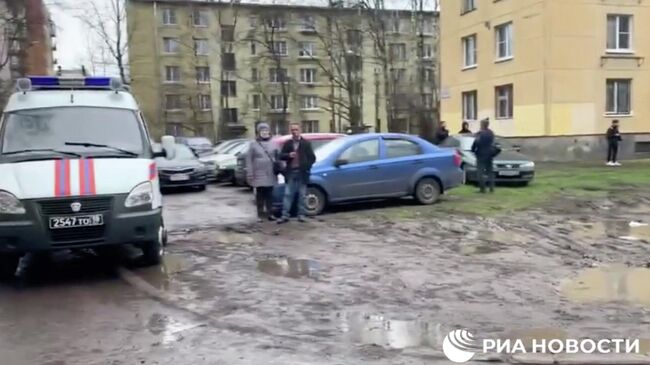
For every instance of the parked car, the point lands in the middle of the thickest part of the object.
(509, 166)
(316, 139)
(378, 165)
(226, 145)
(224, 163)
(184, 170)
(200, 145)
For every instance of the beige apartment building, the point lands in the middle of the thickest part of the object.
(551, 73)
(215, 69)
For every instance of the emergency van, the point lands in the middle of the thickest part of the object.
(77, 170)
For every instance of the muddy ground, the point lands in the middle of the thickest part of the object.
(350, 287)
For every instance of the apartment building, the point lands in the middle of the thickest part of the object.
(27, 42)
(216, 69)
(552, 74)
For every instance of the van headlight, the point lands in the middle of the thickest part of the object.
(140, 195)
(9, 204)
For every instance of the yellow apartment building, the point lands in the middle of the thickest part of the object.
(215, 68)
(548, 68)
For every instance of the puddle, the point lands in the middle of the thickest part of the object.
(616, 283)
(631, 231)
(169, 329)
(479, 249)
(160, 276)
(388, 332)
(290, 268)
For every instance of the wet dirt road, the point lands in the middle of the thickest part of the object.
(348, 288)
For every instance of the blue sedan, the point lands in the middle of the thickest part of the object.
(375, 166)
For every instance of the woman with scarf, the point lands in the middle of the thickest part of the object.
(262, 153)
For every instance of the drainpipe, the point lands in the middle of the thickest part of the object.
(547, 40)
(157, 69)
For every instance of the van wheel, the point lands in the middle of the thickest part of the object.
(153, 252)
(314, 201)
(427, 191)
(8, 265)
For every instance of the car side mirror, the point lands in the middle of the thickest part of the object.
(516, 148)
(168, 144)
(340, 162)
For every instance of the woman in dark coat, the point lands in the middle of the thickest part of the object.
(262, 153)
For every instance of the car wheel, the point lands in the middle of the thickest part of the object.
(153, 252)
(314, 201)
(427, 191)
(8, 265)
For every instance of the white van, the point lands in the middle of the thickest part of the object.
(77, 170)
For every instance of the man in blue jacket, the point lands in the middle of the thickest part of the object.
(485, 151)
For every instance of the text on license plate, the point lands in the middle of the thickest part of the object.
(508, 173)
(179, 177)
(76, 221)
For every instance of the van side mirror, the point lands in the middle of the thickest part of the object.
(340, 162)
(168, 144)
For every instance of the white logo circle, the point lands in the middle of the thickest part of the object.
(459, 346)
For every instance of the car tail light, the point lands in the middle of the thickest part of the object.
(457, 158)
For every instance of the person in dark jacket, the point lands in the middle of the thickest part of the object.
(299, 155)
(442, 133)
(613, 137)
(484, 149)
(465, 129)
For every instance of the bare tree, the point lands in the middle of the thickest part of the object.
(107, 20)
(13, 45)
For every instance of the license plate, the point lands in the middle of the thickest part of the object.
(179, 177)
(76, 221)
(508, 173)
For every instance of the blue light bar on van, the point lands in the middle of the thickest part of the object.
(67, 83)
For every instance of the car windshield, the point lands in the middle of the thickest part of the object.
(52, 128)
(232, 148)
(199, 141)
(318, 143)
(326, 149)
(184, 153)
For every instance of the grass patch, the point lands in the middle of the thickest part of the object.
(552, 181)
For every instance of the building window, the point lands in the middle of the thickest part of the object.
(468, 5)
(169, 17)
(307, 49)
(503, 34)
(470, 105)
(228, 33)
(228, 62)
(252, 21)
(279, 48)
(277, 23)
(201, 47)
(469, 51)
(395, 24)
(173, 129)
(203, 75)
(310, 126)
(619, 33)
(279, 127)
(255, 75)
(426, 52)
(307, 75)
(309, 102)
(173, 102)
(398, 51)
(171, 45)
(277, 75)
(308, 23)
(229, 115)
(205, 102)
(427, 75)
(228, 88)
(172, 74)
(277, 102)
(619, 96)
(503, 102)
(253, 48)
(256, 101)
(398, 75)
(200, 18)
(427, 100)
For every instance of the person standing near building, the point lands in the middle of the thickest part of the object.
(260, 159)
(485, 151)
(442, 133)
(299, 155)
(613, 138)
(465, 129)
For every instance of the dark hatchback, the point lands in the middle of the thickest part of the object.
(200, 145)
(185, 170)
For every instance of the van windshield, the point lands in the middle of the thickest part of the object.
(82, 130)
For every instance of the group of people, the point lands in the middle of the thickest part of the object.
(265, 161)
